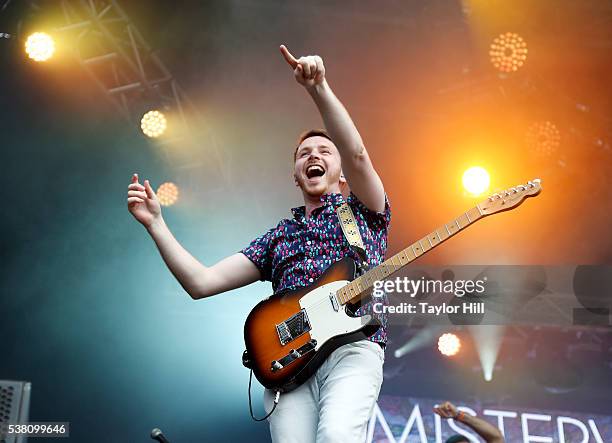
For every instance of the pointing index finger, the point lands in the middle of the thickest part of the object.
(288, 57)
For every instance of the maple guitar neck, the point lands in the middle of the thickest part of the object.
(361, 287)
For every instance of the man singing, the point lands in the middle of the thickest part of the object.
(334, 405)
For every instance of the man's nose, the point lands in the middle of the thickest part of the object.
(314, 154)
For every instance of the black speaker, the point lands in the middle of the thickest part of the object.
(14, 408)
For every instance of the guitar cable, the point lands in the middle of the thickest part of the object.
(276, 398)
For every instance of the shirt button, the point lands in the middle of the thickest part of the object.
(310, 279)
(308, 242)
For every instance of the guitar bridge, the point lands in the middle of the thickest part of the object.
(293, 355)
(293, 327)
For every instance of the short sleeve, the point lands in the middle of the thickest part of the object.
(376, 220)
(258, 251)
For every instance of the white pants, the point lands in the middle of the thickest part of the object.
(335, 404)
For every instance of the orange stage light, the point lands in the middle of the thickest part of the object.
(543, 138)
(153, 124)
(508, 52)
(40, 46)
(476, 180)
(167, 194)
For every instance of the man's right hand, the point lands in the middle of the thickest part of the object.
(142, 202)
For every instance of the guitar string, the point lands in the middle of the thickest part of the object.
(326, 300)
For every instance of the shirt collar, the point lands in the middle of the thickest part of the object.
(334, 199)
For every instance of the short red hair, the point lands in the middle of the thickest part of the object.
(310, 133)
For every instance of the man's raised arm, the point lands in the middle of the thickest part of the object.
(356, 165)
(198, 280)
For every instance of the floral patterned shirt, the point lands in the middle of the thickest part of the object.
(297, 251)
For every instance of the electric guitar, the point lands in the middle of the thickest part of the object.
(289, 335)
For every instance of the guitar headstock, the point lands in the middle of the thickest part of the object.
(510, 198)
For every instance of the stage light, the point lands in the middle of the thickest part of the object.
(153, 123)
(476, 180)
(449, 344)
(40, 46)
(508, 52)
(424, 338)
(487, 340)
(543, 138)
(167, 194)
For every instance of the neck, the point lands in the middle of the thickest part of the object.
(313, 201)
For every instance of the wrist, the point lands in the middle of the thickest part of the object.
(319, 89)
(459, 416)
(157, 225)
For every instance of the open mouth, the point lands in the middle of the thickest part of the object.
(313, 171)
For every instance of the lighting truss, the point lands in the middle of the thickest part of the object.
(117, 59)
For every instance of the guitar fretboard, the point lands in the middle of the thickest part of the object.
(362, 285)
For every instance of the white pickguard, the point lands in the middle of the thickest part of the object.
(325, 321)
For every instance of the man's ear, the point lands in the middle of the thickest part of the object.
(344, 188)
(296, 181)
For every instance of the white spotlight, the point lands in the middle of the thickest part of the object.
(487, 339)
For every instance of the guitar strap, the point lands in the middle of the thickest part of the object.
(351, 231)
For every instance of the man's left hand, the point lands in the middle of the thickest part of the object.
(308, 71)
(446, 410)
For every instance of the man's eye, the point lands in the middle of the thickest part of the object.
(303, 154)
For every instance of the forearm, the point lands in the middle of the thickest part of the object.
(338, 122)
(186, 269)
(356, 165)
(485, 429)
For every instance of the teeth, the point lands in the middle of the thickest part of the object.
(310, 168)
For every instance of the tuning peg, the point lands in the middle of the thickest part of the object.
(521, 187)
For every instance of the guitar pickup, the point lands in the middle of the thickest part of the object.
(334, 301)
(293, 327)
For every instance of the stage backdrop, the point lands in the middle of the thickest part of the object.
(412, 420)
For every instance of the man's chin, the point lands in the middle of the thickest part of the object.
(314, 190)
(317, 192)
